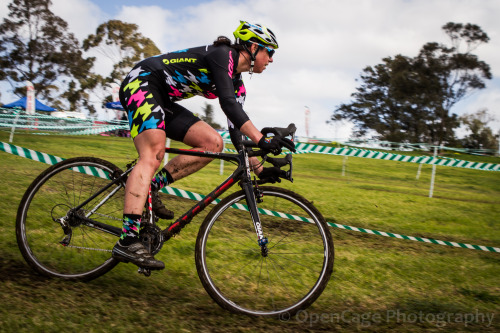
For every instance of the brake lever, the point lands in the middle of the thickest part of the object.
(280, 162)
(289, 172)
(282, 132)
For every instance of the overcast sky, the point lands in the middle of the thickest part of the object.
(324, 45)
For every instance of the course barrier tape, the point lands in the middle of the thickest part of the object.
(29, 154)
(413, 146)
(87, 127)
(417, 239)
(49, 159)
(46, 124)
(305, 148)
(354, 152)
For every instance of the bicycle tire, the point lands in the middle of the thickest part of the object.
(303, 252)
(50, 196)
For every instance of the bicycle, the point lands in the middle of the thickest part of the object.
(261, 251)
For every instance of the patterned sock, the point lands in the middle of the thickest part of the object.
(161, 179)
(130, 230)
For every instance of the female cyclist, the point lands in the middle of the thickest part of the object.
(149, 94)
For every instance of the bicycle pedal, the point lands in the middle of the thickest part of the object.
(145, 271)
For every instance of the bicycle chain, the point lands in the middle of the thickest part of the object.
(104, 215)
(87, 248)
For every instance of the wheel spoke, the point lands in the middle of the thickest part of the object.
(290, 275)
(53, 195)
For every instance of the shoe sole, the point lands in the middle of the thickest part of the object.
(123, 258)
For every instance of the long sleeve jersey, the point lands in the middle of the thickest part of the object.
(208, 71)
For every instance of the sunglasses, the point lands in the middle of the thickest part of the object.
(270, 50)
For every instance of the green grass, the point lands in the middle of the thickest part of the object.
(378, 284)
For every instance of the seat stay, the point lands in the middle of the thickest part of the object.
(113, 182)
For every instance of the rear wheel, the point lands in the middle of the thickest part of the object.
(286, 278)
(51, 234)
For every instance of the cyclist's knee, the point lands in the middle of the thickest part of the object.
(215, 144)
(151, 162)
(152, 158)
(203, 136)
(151, 148)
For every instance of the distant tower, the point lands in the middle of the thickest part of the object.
(308, 113)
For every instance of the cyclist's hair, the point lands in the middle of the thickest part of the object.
(223, 40)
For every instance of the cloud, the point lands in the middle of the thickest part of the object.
(82, 16)
(324, 46)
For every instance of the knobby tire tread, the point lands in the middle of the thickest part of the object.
(21, 212)
(222, 302)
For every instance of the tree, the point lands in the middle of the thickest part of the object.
(481, 136)
(123, 45)
(209, 116)
(34, 46)
(409, 99)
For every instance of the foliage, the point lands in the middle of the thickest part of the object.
(122, 44)
(209, 116)
(409, 99)
(35, 46)
(481, 136)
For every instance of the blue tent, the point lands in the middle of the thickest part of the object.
(114, 105)
(22, 103)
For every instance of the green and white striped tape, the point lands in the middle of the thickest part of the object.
(86, 127)
(354, 152)
(417, 239)
(29, 154)
(304, 148)
(61, 126)
(49, 159)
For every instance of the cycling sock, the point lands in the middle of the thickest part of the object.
(130, 230)
(161, 179)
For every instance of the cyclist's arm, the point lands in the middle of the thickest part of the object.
(251, 131)
(255, 165)
(253, 134)
(237, 136)
(233, 109)
(222, 63)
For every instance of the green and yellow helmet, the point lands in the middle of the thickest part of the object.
(260, 34)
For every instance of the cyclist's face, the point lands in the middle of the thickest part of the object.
(262, 60)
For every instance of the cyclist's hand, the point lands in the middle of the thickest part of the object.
(272, 174)
(274, 145)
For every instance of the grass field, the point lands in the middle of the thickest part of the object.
(379, 284)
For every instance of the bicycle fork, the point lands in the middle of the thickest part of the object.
(253, 195)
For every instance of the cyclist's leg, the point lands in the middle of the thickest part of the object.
(182, 125)
(199, 136)
(147, 123)
(150, 145)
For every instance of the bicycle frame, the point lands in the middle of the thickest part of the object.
(238, 174)
(242, 159)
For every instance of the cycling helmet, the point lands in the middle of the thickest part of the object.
(258, 32)
(254, 33)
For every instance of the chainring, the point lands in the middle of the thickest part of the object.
(151, 237)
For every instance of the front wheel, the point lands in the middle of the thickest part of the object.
(286, 278)
(53, 236)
